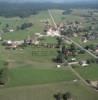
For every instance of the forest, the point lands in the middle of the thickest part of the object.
(26, 9)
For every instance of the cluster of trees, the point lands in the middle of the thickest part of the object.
(91, 61)
(66, 12)
(24, 26)
(27, 9)
(60, 56)
(6, 28)
(64, 52)
(91, 47)
(65, 96)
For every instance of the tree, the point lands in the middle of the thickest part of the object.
(63, 49)
(73, 49)
(60, 41)
(60, 57)
(0, 23)
(92, 47)
(67, 96)
(66, 12)
(7, 25)
(77, 22)
(57, 96)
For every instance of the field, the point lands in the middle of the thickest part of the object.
(14, 22)
(47, 91)
(32, 75)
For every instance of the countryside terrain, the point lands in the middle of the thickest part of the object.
(31, 73)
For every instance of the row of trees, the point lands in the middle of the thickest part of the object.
(65, 96)
(91, 61)
(24, 26)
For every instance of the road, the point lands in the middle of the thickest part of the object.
(78, 45)
(52, 18)
(74, 71)
(78, 75)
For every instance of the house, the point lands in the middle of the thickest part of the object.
(11, 30)
(39, 35)
(58, 66)
(75, 35)
(0, 38)
(18, 43)
(51, 32)
(7, 42)
(83, 63)
(84, 39)
(12, 44)
(96, 50)
(73, 62)
(36, 42)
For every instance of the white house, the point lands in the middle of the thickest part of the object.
(0, 38)
(83, 63)
(9, 42)
(11, 30)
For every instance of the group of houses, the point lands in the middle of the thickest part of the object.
(12, 44)
(53, 32)
(89, 36)
(74, 61)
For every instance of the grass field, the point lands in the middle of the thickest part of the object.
(90, 72)
(30, 76)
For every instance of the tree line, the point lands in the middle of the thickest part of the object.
(27, 9)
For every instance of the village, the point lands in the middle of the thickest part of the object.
(73, 30)
(68, 52)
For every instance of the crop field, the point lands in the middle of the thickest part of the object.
(47, 91)
(32, 74)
